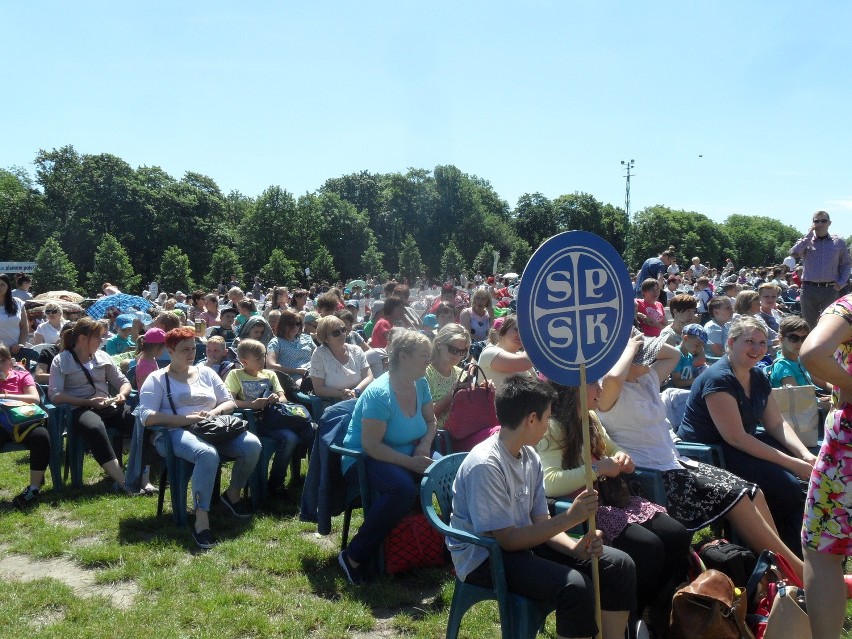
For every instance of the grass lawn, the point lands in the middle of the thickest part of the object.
(106, 565)
(88, 562)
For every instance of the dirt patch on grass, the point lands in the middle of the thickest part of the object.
(326, 542)
(23, 568)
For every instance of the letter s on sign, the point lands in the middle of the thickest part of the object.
(560, 327)
(558, 286)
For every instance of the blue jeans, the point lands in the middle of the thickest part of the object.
(244, 449)
(287, 442)
(394, 490)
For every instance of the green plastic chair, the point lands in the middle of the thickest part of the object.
(520, 617)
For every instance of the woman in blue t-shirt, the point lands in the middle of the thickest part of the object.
(394, 424)
(726, 405)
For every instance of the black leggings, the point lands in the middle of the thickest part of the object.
(37, 442)
(92, 426)
(660, 549)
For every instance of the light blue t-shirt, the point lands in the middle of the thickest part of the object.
(378, 401)
(784, 367)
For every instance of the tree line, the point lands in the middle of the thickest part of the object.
(89, 218)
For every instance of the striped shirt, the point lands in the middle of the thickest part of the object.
(824, 259)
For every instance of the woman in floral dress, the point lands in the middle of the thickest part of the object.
(827, 529)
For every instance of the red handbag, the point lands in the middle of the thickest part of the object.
(413, 543)
(472, 408)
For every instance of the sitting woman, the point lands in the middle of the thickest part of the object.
(298, 300)
(449, 348)
(338, 370)
(48, 332)
(506, 357)
(477, 318)
(649, 311)
(727, 404)
(278, 301)
(394, 425)
(14, 321)
(18, 385)
(352, 337)
(180, 395)
(657, 543)
(290, 350)
(81, 375)
(633, 413)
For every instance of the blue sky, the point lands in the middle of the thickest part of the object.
(532, 96)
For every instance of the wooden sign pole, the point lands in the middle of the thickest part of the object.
(590, 484)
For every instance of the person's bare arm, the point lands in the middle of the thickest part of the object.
(613, 381)
(817, 353)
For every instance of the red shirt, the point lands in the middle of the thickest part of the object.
(379, 337)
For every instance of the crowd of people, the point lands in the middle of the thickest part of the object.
(717, 341)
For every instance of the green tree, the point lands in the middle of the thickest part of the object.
(371, 261)
(322, 266)
(22, 216)
(452, 262)
(54, 271)
(520, 256)
(344, 231)
(484, 260)
(534, 218)
(656, 227)
(112, 264)
(279, 271)
(759, 241)
(410, 263)
(175, 273)
(225, 263)
(267, 226)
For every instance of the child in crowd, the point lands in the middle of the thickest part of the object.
(247, 308)
(225, 330)
(257, 388)
(499, 492)
(217, 357)
(721, 311)
(692, 360)
(121, 341)
(430, 324)
(703, 293)
(649, 311)
(149, 348)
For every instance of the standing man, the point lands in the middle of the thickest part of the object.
(827, 266)
(654, 268)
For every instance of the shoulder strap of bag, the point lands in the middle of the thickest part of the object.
(477, 371)
(85, 370)
(169, 394)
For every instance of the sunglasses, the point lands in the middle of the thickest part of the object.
(795, 339)
(820, 221)
(337, 332)
(54, 312)
(452, 350)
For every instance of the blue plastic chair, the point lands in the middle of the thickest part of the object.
(707, 453)
(175, 475)
(55, 428)
(520, 617)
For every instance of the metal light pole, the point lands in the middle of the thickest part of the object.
(628, 165)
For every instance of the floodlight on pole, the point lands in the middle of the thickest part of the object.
(627, 165)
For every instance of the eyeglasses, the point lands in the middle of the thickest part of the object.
(793, 338)
(337, 332)
(53, 312)
(820, 221)
(452, 350)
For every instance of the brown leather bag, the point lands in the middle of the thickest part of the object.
(711, 607)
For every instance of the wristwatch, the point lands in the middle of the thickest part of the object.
(357, 392)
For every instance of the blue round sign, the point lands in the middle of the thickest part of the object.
(575, 306)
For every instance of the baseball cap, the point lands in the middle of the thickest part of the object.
(155, 336)
(311, 318)
(696, 330)
(430, 320)
(124, 321)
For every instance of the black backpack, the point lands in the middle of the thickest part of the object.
(733, 560)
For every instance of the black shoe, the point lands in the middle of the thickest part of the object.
(26, 499)
(204, 539)
(354, 576)
(241, 508)
(277, 491)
